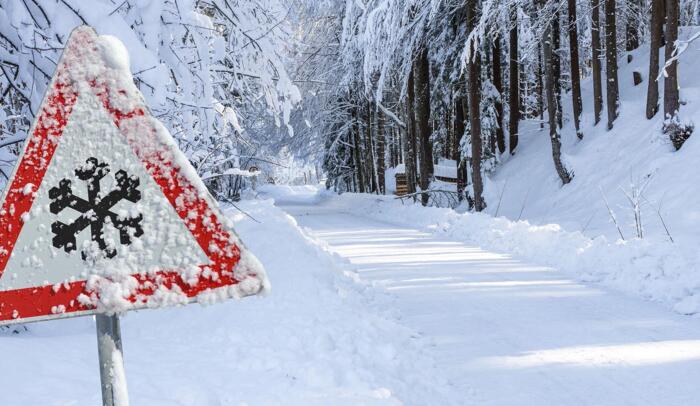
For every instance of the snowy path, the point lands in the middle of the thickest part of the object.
(508, 333)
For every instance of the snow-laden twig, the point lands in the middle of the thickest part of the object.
(391, 115)
(500, 199)
(661, 217)
(681, 45)
(522, 208)
(635, 196)
(15, 139)
(612, 214)
(232, 203)
(231, 172)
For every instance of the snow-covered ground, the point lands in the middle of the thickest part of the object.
(369, 312)
(319, 338)
(614, 161)
(507, 332)
(656, 270)
(608, 165)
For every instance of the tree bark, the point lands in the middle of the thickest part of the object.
(357, 153)
(597, 56)
(396, 147)
(563, 173)
(498, 84)
(577, 103)
(540, 85)
(514, 77)
(380, 152)
(447, 150)
(556, 61)
(474, 86)
(671, 93)
(656, 32)
(408, 153)
(369, 157)
(411, 150)
(456, 148)
(422, 93)
(611, 62)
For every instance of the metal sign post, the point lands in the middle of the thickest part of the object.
(109, 347)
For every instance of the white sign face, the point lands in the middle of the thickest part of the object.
(164, 242)
(104, 213)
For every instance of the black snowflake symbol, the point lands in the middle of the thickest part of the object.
(96, 209)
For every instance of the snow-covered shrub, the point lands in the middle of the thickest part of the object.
(678, 131)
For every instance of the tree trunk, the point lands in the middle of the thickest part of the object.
(390, 145)
(556, 61)
(514, 77)
(369, 157)
(611, 62)
(447, 149)
(563, 173)
(422, 93)
(357, 153)
(577, 103)
(671, 95)
(411, 151)
(597, 56)
(409, 163)
(456, 148)
(380, 152)
(396, 147)
(663, 22)
(540, 85)
(474, 86)
(632, 31)
(399, 142)
(498, 84)
(656, 32)
(408, 153)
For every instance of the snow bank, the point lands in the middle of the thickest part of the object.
(319, 338)
(656, 270)
(290, 194)
(608, 164)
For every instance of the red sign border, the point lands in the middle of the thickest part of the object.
(49, 302)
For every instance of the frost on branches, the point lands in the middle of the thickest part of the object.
(209, 70)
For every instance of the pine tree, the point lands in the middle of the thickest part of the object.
(410, 149)
(457, 150)
(556, 62)
(381, 152)
(357, 153)
(575, 72)
(514, 77)
(595, 60)
(671, 95)
(498, 84)
(611, 62)
(422, 92)
(369, 151)
(655, 32)
(547, 42)
(474, 86)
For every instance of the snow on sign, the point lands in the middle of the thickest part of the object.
(103, 213)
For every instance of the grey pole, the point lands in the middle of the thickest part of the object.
(109, 347)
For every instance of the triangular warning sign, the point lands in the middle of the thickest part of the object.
(103, 212)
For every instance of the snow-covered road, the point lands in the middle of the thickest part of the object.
(510, 333)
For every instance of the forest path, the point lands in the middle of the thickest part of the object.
(509, 333)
